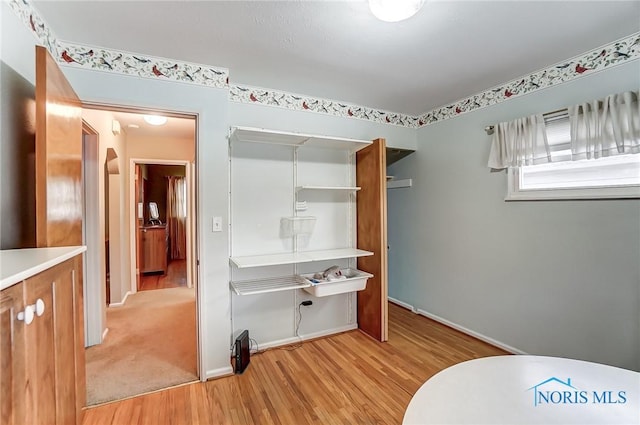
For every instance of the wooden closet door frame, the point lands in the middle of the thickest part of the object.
(371, 177)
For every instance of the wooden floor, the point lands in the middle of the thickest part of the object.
(343, 379)
(176, 277)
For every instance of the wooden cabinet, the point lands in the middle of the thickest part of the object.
(12, 357)
(154, 249)
(42, 376)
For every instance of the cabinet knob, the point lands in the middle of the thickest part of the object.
(30, 311)
(26, 315)
(39, 307)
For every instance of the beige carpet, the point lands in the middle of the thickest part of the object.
(151, 345)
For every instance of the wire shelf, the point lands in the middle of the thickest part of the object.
(262, 286)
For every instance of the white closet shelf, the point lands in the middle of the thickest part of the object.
(261, 135)
(336, 188)
(336, 254)
(297, 257)
(273, 284)
(269, 260)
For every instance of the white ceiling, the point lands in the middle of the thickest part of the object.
(133, 124)
(338, 50)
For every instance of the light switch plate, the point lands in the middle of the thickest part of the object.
(217, 224)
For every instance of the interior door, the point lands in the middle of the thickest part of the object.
(59, 204)
(371, 176)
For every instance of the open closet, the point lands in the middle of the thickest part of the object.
(293, 235)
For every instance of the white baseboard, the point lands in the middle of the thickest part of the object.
(218, 373)
(293, 340)
(403, 304)
(124, 300)
(468, 331)
(457, 327)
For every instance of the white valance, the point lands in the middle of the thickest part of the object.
(599, 128)
(606, 127)
(519, 142)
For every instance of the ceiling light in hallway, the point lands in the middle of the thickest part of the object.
(155, 119)
(394, 10)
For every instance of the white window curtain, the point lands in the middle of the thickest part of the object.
(519, 142)
(177, 216)
(605, 127)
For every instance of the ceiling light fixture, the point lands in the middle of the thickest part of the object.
(155, 119)
(394, 10)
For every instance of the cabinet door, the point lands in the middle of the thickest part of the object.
(147, 251)
(51, 357)
(12, 357)
(154, 242)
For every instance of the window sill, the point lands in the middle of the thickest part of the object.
(574, 194)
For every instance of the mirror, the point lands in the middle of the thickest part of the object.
(154, 215)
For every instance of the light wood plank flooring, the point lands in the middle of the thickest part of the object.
(176, 277)
(343, 379)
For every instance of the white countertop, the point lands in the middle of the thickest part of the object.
(523, 389)
(19, 264)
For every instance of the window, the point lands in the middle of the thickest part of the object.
(605, 177)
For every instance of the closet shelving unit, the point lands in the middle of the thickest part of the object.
(296, 141)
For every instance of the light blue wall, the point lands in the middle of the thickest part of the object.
(554, 278)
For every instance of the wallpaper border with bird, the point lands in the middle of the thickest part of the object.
(122, 62)
(109, 60)
(612, 54)
(299, 102)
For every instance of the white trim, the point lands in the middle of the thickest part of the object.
(468, 331)
(124, 300)
(457, 327)
(314, 335)
(514, 193)
(220, 372)
(403, 304)
(94, 273)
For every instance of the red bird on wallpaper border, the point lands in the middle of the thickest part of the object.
(156, 71)
(67, 58)
(580, 69)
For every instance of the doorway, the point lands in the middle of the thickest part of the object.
(162, 225)
(133, 357)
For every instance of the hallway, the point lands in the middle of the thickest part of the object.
(151, 344)
(176, 277)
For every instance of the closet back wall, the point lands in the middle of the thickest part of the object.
(263, 188)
